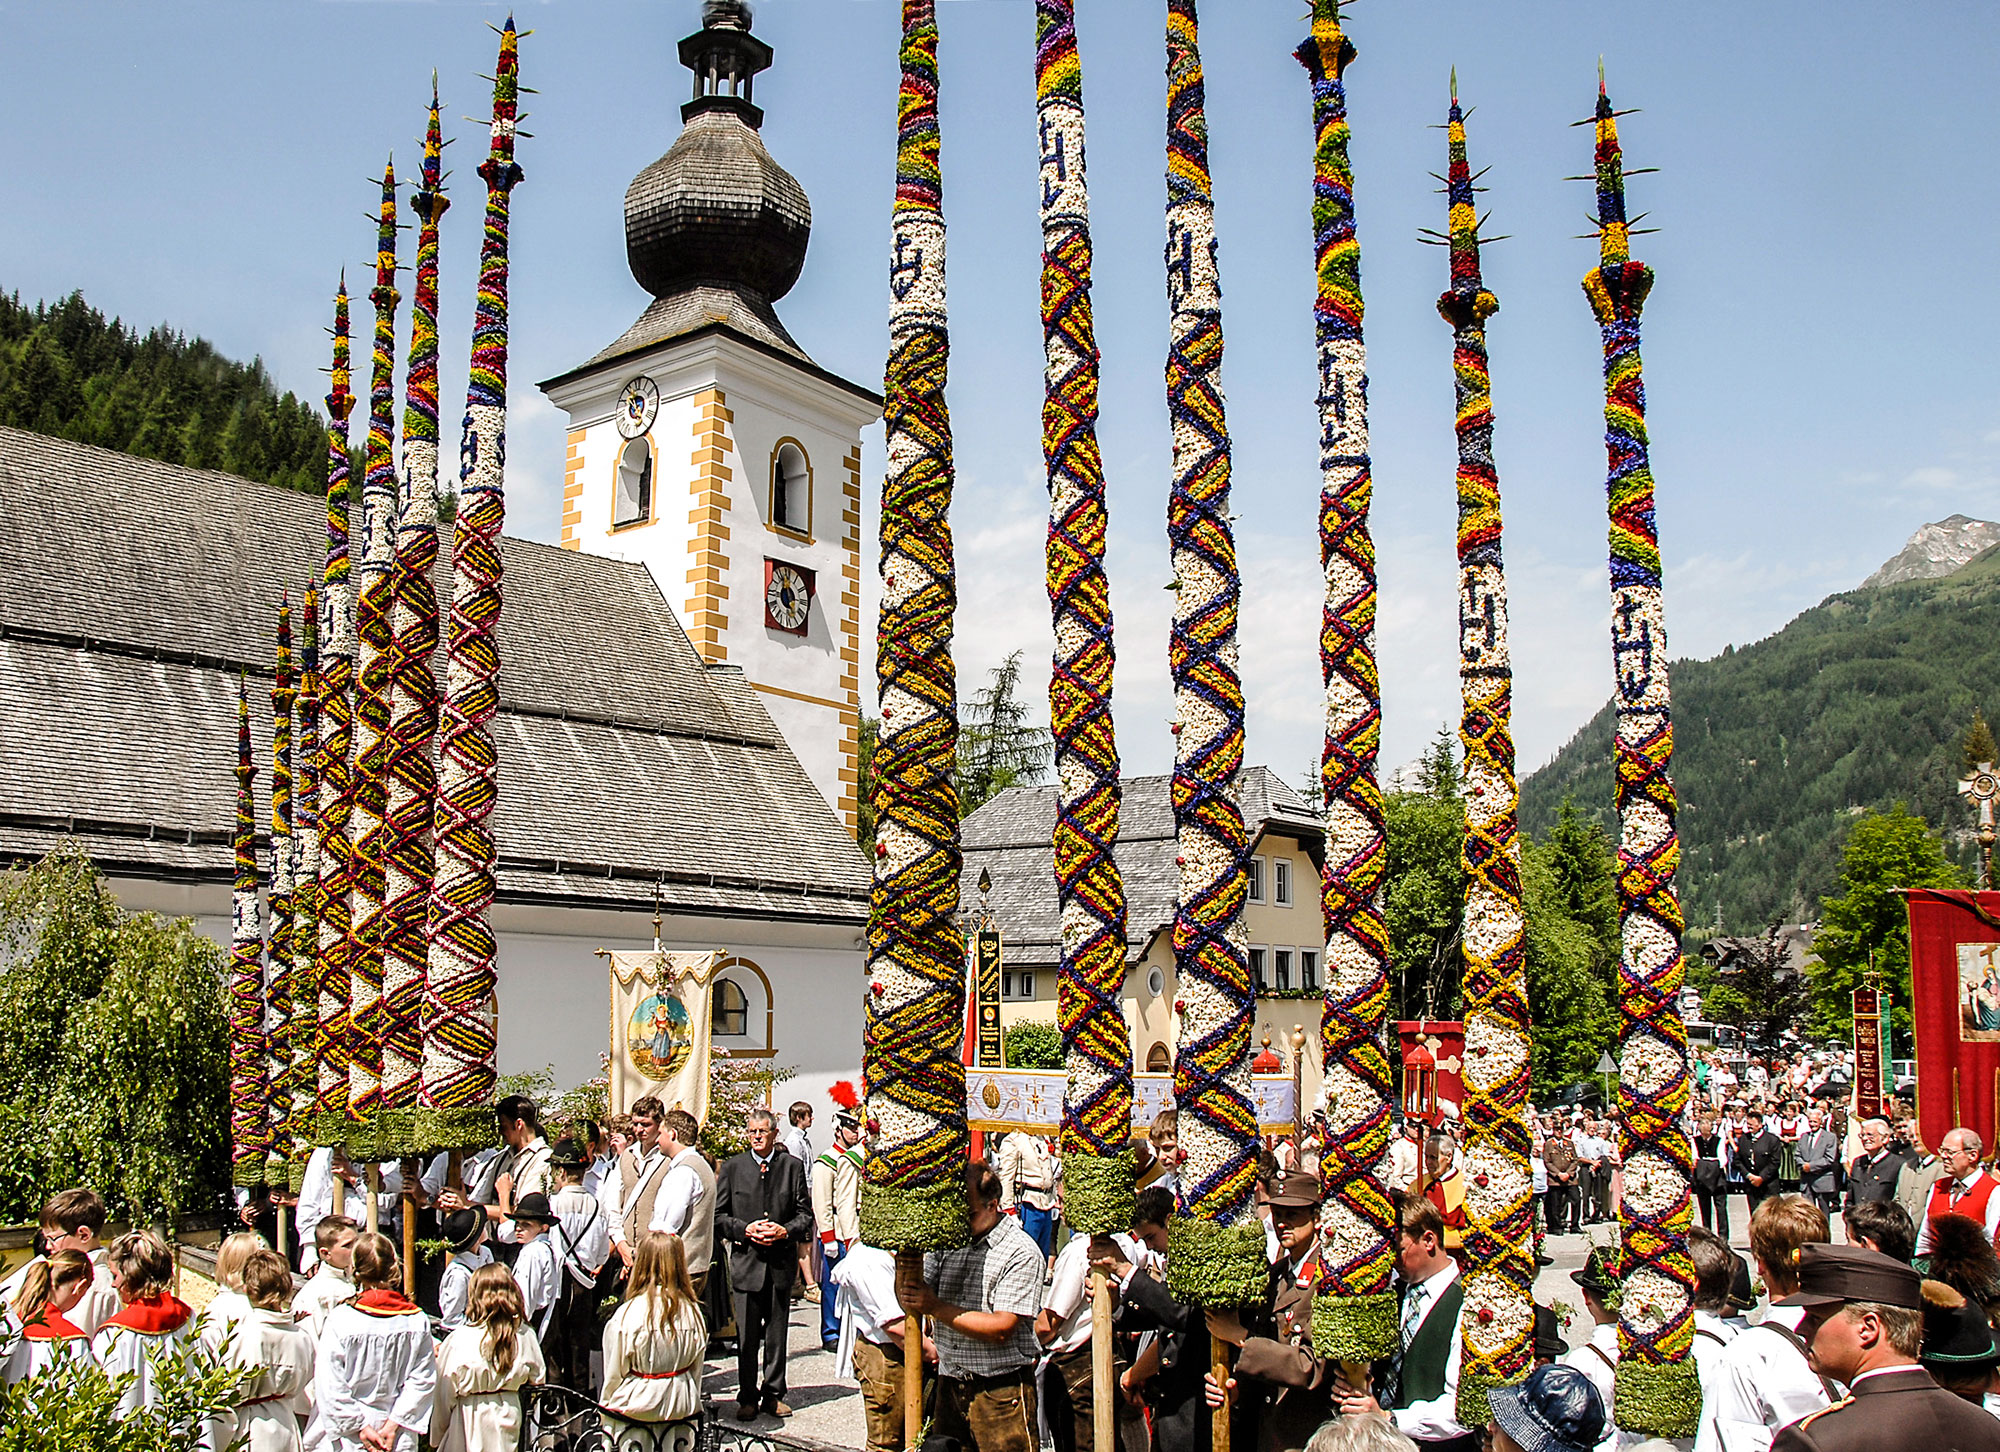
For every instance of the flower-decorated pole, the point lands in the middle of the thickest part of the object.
(460, 1020)
(302, 1032)
(1658, 1392)
(284, 890)
(1499, 1319)
(336, 778)
(1354, 1310)
(913, 1196)
(1217, 1255)
(1097, 1043)
(413, 693)
(367, 1026)
(249, 1109)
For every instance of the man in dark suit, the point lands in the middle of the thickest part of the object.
(1819, 1162)
(1759, 1152)
(1873, 1174)
(763, 1212)
(1864, 1321)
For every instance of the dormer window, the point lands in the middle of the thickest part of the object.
(791, 489)
(633, 502)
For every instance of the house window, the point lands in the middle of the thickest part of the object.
(1256, 879)
(1281, 881)
(791, 489)
(634, 501)
(1157, 1061)
(1156, 982)
(1281, 968)
(729, 1010)
(1257, 969)
(1309, 969)
(1017, 984)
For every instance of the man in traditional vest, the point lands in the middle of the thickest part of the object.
(635, 1182)
(1964, 1188)
(1418, 1384)
(685, 1204)
(836, 1198)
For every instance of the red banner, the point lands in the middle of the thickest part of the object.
(1955, 975)
(1867, 1053)
(1444, 1042)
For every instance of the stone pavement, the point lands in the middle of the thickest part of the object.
(828, 1412)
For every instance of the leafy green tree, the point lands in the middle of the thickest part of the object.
(1868, 922)
(1032, 1044)
(1423, 901)
(1583, 869)
(72, 1404)
(1571, 1020)
(864, 787)
(1437, 769)
(1976, 748)
(998, 748)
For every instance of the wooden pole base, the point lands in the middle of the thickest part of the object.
(910, 1265)
(411, 1171)
(1218, 1359)
(374, 1199)
(1103, 1394)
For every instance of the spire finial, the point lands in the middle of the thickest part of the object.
(1613, 232)
(1454, 85)
(1468, 292)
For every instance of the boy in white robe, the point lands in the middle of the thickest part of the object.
(74, 1220)
(330, 1282)
(151, 1323)
(277, 1399)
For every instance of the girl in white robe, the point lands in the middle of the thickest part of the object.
(48, 1291)
(374, 1369)
(152, 1323)
(653, 1346)
(482, 1367)
(277, 1352)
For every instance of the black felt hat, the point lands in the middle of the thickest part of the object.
(1599, 1275)
(533, 1207)
(1956, 1332)
(568, 1154)
(461, 1228)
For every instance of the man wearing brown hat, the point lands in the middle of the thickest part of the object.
(1286, 1391)
(1864, 1321)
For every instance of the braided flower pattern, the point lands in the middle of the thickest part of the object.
(913, 1196)
(1657, 1391)
(413, 692)
(249, 1113)
(1097, 1043)
(336, 779)
(367, 1028)
(302, 1029)
(284, 893)
(1214, 1260)
(460, 1018)
(1354, 1312)
(1499, 1208)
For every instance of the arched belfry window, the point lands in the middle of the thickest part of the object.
(633, 503)
(791, 488)
(729, 1009)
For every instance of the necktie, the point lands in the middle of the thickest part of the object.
(1413, 1315)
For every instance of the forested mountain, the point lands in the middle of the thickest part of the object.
(1859, 703)
(67, 370)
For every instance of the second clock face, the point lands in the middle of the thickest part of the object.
(787, 600)
(637, 407)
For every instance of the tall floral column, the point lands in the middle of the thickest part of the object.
(1658, 1392)
(413, 693)
(1499, 1206)
(460, 1018)
(284, 890)
(1097, 1043)
(1354, 1311)
(369, 829)
(336, 779)
(249, 1109)
(913, 1194)
(1217, 1254)
(301, 1034)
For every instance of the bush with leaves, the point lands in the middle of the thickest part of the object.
(735, 1087)
(71, 1405)
(1032, 1045)
(563, 1111)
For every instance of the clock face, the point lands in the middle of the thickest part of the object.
(637, 407)
(787, 598)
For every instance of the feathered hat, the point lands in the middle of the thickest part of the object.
(1963, 1258)
(846, 1104)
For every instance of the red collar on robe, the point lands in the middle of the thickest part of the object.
(154, 1315)
(52, 1325)
(383, 1301)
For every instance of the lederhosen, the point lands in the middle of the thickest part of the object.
(572, 1317)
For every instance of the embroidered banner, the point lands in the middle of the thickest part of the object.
(1867, 1053)
(1955, 977)
(659, 1029)
(1031, 1099)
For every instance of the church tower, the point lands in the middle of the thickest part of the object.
(706, 444)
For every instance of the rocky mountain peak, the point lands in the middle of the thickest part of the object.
(1936, 550)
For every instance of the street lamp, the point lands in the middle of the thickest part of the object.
(1606, 1070)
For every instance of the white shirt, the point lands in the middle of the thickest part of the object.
(798, 1143)
(535, 1271)
(370, 1370)
(582, 1234)
(593, 1178)
(315, 1203)
(1068, 1295)
(1708, 1348)
(1601, 1369)
(679, 1193)
(1437, 1419)
(120, 1350)
(99, 1304)
(1957, 1189)
(323, 1290)
(1763, 1383)
(865, 1280)
(456, 1283)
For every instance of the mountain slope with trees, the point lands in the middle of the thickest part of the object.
(1858, 704)
(68, 371)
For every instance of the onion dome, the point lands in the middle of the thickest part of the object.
(716, 211)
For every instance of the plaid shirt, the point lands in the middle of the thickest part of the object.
(1000, 1271)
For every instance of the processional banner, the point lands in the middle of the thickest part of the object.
(1031, 1099)
(1867, 1053)
(1955, 978)
(659, 1029)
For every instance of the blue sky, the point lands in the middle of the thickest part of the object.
(1821, 379)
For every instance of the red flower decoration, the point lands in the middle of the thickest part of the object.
(874, 1125)
(1479, 1180)
(1180, 1005)
(881, 849)
(1485, 1315)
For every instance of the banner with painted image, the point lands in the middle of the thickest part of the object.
(659, 1029)
(1955, 1008)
